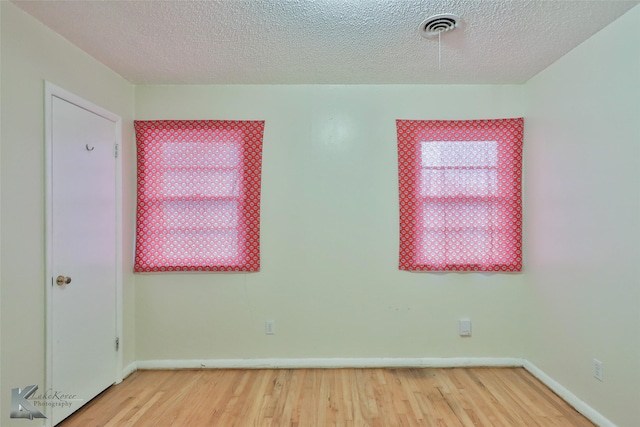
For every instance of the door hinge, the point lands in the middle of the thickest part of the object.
(117, 343)
(115, 150)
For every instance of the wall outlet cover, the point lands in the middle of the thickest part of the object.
(597, 369)
(464, 327)
(270, 327)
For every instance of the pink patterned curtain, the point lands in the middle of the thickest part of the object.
(460, 194)
(198, 195)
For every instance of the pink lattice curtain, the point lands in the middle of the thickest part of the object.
(198, 195)
(460, 194)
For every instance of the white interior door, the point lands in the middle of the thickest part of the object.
(83, 253)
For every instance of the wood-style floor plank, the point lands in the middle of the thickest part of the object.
(456, 397)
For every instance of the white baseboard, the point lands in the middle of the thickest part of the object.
(129, 369)
(453, 362)
(580, 406)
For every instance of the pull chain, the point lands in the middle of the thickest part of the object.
(439, 50)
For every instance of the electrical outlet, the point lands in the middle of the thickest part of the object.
(464, 327)
(597, 369)
(270, 327)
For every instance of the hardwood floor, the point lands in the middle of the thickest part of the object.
(329, 397)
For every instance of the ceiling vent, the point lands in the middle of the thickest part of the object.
(438, 24)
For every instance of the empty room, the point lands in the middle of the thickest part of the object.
(320, 212)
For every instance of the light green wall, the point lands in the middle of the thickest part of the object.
(31, 54)
(582, 206)
(329, 236)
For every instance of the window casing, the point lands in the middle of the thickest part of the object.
(460, 195)
(198, 195)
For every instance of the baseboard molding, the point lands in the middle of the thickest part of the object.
(580, 406)
(129, 369)
(454, 362)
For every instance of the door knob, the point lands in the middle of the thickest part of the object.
(63, 280)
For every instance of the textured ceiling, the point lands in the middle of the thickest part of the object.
(324, 41)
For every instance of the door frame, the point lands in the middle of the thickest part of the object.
(51, 91)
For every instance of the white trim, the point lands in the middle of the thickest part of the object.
(129, 369)
(119, 248)
(455, 362)
(51, 90)
(573, 400)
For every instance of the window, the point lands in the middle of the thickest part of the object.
(460, 194)
(198, 195)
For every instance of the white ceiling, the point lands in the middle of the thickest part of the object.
(324, 41)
